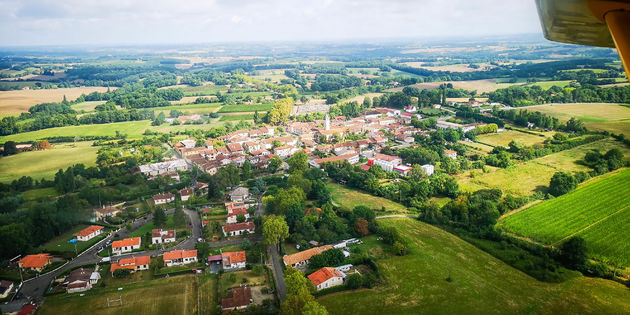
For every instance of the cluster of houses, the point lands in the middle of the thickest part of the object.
(235, 209)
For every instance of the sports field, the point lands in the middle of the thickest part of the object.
(595, 211)
(173, 295)
(45, 163)
(19, 101)
(351, 198)
(481, 284)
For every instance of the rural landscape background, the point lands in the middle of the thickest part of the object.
(483, 172)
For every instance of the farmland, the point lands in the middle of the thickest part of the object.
(598, 204)
(417, 283)
(244, 108)
(351, 198)
(19, 101)
(45, 163)
(475, 85)
(174, 295)
(238, 117)
(505, 137)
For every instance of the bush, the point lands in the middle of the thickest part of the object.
(354, 281)
(122, 273)
(232, 278)
(399, 249)
(562, 183)
(257, 270)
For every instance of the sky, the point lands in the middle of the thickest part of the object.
(124, 22)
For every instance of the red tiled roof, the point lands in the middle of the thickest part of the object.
(130, 263)
(239, 226)
(385, 157)
(234, 257)
(88, 230)
(305, 255)
(126, 242)
(322, 275)
(27, 309)
(163, 196)
(35, 261)
(186, 192)
(237, 211)
(237, 297)
(179, 254)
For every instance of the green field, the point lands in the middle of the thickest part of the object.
(245, 108)
(173, 295)
(207, 294)
(594, 210)
(351, 198)
(237, 117)
(60, 243)
(505, 137)
(481, 284)
(189, 108)
(147, 228)
(596, 116)
(45, 163)
(534, 175)
(87, 106)
(547, 84)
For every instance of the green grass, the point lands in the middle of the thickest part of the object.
(505, 137)
(208, 293)
(547, 84)
(245, 108)
(173, 295)
(351, 198)
(204, 90)
(34, 194)
(481, 284)
(60, 243)
(190, 108)
(596, 116)
(237, 117)
(242, 277)
(149, 226)
(595, 210)
(45, 163)
(87, 106)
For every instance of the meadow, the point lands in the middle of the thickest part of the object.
(480, 86)
(173, 295)
(594, 210)
(245, 108)
(505, 137)
(238, 117)
(19, 101)
(351, 198)
(480, 283)
(45, 163)
(596, 116)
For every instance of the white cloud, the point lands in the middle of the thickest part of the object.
(32, 22)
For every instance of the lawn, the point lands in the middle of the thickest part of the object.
(173, 295)
(149, 226)
(60, 243)
(245, 108)
(504, 138)
(45, 163)
(481, 284)
(596, 210)
(535, 175)
(242, 277)
(351, 198)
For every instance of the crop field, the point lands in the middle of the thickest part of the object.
(21, 100)
(534, 175)
(481, 284)
(245, 108)
(351, 198)
(45, 163)
(204, 90)
(173, 295)
(599, 204)
(275, 75)
(189, 108)
(505, 137)
(207, 292)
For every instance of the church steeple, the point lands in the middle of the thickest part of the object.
(327, 122)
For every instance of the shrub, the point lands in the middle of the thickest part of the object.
(354, 281)
(399, 249)
(121, 273)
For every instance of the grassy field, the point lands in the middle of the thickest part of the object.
(547, 84)
(34, 194)
(204, 90)
(480, 86)
(481, 284)
(21, 100)
(237, 117)
(141, 231)
(534, 175)
(207, 294)
(45, 163)
(596, 211)
(245, 108)
(189, 108)
(610, 117)
(351, 198)
(173, 295)
(505, 137)
(87, 106)
(60, 243)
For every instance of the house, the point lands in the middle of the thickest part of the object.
(239, 194)
(133, 263)
(428, 169)
(450, 153)
(81, 279)
(161, 199)
(184, 194)
(104, 212)
(239, 229)
(180, 257)
(89, 233)
(301, 259)
(402, 169)
(163, 167)
(326, 277)
(233, 260)
(238, 298)
(411, 109)
(386, 162)
(233, 215)
(35, 262)
(126, 246)
(159, 236)
(5, 288)
(352, 158)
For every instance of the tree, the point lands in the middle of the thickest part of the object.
(275, 230)
(331, 257)
(354, 281)
(298, 162)
(562, 183)
(203, 251)
(274, 164)
(361, 227)
(240, 218)
(121, 273)
(179, 217)
(44, 145)
(573, 252)
(10, 148)
(298, 292)
(159, 217)
(314, 308)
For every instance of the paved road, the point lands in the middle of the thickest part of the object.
(278, 273)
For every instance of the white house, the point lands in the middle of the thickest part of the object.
(184, 194)
(159, 236)
(126, 246)
(326, 277)
(89, 233)
(428, 169)
(239, 229)
(239, 194)
(386, 162)
(234, 260)
(450, 153)
(180, 257)
(161, 199)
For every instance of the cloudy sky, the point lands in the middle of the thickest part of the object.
(111, 22)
